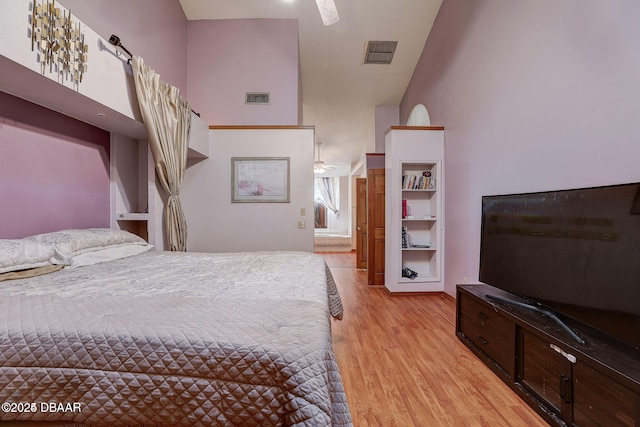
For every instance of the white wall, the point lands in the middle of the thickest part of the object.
(217, 225)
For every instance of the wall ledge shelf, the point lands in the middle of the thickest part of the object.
(132, 216)
(418, 249)
(422, 279)
(420, 219)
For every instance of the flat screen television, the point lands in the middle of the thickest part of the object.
(575, 252)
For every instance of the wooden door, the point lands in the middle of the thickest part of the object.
(361, 223)
(375, 224)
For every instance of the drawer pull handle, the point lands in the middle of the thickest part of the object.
(485, 342)
(565, 388)
(482, 315)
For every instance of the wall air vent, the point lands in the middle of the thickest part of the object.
(259, 98)
(380, 52)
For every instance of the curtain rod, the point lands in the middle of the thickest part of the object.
(115, 40)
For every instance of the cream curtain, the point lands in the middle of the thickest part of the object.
(167, 118)
(326, 191)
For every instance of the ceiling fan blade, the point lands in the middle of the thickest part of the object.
(328, 11)
(321, 167)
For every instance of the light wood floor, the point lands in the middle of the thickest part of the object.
(402, 364)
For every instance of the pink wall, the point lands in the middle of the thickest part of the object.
(230, 57)
(533, 95)
(213, 62)
(55, 171)
(385, 116)
(375, 160)
(155, 30)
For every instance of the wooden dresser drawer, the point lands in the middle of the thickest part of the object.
(490, 332)
(600, 400)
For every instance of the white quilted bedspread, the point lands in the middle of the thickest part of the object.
(175, 339)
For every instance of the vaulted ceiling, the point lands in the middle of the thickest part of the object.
(339, 91)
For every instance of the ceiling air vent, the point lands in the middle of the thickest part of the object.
(380, 52)
(261, 98)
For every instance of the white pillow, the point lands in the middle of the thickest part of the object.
(108, 254)
(21, 254)
(73, 242)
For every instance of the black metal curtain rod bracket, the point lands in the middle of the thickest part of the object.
(115, 40)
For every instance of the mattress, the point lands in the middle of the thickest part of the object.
(174, 339)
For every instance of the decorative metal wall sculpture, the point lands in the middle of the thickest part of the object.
(58, 40)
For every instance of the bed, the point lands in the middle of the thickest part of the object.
(117, 334)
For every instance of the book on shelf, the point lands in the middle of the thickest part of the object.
(421, 246)
(405, 240)
(404, 208)
(414, 182)
(432, 184)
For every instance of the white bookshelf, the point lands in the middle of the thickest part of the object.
(414, 213)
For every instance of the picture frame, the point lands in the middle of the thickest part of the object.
(260, 180)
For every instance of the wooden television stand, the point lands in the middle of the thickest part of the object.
(567, 383)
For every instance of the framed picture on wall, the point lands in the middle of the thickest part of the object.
(260, 179)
